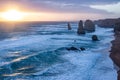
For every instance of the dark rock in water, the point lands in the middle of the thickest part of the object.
(80, 29)
(75, 49)
(82, 48)
(95, 38)
(89, 26)
(72, 49)
(69, 26)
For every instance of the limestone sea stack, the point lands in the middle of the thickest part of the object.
(89, 26)
(80, 29)
(69, 26)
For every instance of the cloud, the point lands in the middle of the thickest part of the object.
(60, 6)
(56, 4)
(77, 1)
(89, 7)
(114, 8)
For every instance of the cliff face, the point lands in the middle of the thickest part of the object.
(115, 50)
(107, 23)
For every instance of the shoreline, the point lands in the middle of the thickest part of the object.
(115, 53)
(115, 48)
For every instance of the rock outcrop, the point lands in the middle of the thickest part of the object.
(72, 49)
(69, 26)
(82, 48)
(75, 49)
(115, 49)
(80, 29)
(95, 38)
(107, 23)
(117, 27)
(89, 26)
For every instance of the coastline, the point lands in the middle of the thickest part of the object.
(115, 53)
(115, 43)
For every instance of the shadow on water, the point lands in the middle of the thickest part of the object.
(7, 28)
(28, 65)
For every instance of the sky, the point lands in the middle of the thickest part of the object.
(63, 10)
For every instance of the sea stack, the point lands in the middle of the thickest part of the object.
(89, 26)
(69, 26)
(80, 28)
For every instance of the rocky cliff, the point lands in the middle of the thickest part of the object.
(107, 23)
(115, 50)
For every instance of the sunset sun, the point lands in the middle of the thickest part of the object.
(12, 15)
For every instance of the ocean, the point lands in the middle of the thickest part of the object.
(37, 51)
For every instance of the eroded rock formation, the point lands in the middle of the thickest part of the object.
(80, 28)
(89, 26)
(69, 26)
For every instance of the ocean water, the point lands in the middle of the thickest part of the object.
(37, 51)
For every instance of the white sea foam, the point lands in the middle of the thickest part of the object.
(92, 64)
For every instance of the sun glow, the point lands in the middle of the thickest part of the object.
(12, 15)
